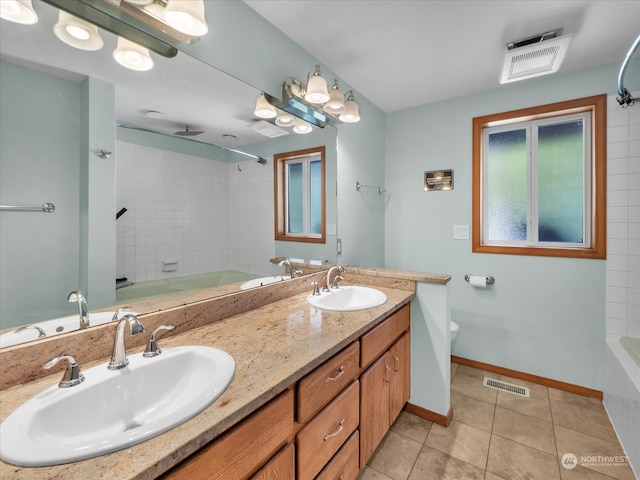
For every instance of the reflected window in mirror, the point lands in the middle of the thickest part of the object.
(300, 195)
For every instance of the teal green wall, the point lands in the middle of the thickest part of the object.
(544, 316)
(38, 251)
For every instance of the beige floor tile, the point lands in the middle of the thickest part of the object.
(518, 462)
(368, 473)
(412, 426)
(433, 464)
(471, 386)
(492, 476)
(536, 407)
(535, 390)
(581, 419)
(581, 473)
(475, 372)
(525, 430)
(461, 441)
(395, 456)
(586, 447)
(575, 399)
(472, 412)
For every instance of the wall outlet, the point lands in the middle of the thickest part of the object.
(461, 232)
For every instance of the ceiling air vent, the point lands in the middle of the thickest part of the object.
(268, 129)
(535, 56)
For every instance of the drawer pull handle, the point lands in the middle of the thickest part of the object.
(333, 379)
(341, 477)
(387, 374)
(397, 366)
(331, 435)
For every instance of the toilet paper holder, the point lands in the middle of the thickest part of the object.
(490, 279)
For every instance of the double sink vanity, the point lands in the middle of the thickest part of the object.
(265, 383)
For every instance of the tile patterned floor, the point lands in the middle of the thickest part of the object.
(496, 435)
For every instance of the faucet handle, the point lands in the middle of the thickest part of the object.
(72, 375)
(298, 273)
(316, 288)
(152, 349)
(117, 314)
(335, 281)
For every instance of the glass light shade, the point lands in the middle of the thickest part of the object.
(77, 32)
(132, 56)
(352, 111)
(317, 91)
(335, 105)
(186, 16)
(18, 11)
(284, 119)
(264, 109)
(302, 127)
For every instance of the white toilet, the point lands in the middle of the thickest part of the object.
(454, 331)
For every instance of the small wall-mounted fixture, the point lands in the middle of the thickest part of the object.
(625, 99)
(532, 57)
(102, 153)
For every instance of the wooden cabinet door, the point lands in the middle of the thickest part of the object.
(279, 467)
(374, 407)
(399, 359)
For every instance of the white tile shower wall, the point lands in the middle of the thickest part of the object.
(623, 219)
(251, 208)
(177, 209)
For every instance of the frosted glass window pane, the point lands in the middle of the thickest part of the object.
(506, 192)
(561, 182)
(295, 189)
(316, 197)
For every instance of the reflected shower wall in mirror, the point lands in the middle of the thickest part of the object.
(50, 130)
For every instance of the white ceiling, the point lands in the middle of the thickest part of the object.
(404, 53)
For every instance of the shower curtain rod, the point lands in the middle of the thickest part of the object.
(625, 99)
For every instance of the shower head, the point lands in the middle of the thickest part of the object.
(188, 133)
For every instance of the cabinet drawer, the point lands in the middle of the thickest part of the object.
(321, 438)
(377, 340)
(242, 450)
(325, 382)
(279, 467)
(344, 465)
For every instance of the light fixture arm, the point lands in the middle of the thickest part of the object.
(625, 99)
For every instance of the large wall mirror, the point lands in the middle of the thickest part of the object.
(75, 131)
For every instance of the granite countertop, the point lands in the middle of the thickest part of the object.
(273, 346)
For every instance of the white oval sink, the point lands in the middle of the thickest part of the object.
(348, 298)
(53, 327)
(259, 282)
(114, 409)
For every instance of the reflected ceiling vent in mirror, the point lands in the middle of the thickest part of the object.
(77, 32)
(535, 56)
(268, 129)
(18, 11)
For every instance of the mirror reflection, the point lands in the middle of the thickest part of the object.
(189, 204)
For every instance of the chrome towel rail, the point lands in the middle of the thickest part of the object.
(45, 207)
(380, 190)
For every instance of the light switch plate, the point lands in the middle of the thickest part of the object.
(461, 232)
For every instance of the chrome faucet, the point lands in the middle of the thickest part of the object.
(76, 296)
(119, 356)
(327, 279)
(292, 271)
(153, 350)
(72, 375)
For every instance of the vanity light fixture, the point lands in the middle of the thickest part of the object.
(335, 105)
(132, 56)
(186, 16)
(18, 11)
(264, 109)
(77, 32)
(284, 119)
(302, 127)
(351, 113)
(316, 91)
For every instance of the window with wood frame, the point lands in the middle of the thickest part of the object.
(539, 180)
(300, 195)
